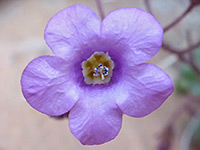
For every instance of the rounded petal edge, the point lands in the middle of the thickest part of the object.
(71, 29)
(46, 86)
(94, 120)
(148, 87)
(134, 33)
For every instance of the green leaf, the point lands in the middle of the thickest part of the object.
(181, 86)
(188, 73)
(188, 82)
(195, 89)
(197, 56)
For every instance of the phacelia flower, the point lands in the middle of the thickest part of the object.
(98, 72)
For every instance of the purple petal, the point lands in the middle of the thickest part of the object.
(148, 87)
(134, 33)
(72, 29)
(95, 118)
(47, 87)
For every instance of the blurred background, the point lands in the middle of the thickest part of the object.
(22, 24)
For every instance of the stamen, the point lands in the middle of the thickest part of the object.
(98, 68)
(102, 70)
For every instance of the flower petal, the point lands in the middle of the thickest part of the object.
(134, 33)
(95, 118)
(148, 87)
(71, 29)
(46, 86)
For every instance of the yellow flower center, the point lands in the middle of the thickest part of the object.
(97, 69)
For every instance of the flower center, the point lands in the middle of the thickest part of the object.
(97, 69)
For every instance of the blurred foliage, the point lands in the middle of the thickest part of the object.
(197, 56)
(189, 81)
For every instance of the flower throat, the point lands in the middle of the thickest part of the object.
(97, 69)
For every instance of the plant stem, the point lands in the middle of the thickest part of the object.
(179, 18)
(178, 51)
(148, 6)
(100, 10)
(182, 58)
(191, 48)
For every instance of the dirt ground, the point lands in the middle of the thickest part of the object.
(22, 24)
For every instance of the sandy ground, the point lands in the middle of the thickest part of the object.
(22, 23)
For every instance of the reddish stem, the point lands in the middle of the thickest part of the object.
(148, 6)
(178, 51)
(191, 48)
(100, 10)
(179, 18)
(181, 57)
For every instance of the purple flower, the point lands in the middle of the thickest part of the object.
(99, 71)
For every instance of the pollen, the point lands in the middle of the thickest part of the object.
(98, 68)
